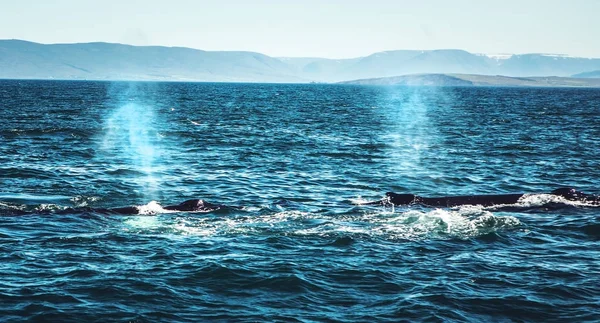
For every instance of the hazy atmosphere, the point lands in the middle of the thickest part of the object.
(330, 29)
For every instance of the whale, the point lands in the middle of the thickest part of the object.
(396, 199)
(391, 198)
(193, 205)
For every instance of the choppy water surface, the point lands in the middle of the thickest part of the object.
(298, 159)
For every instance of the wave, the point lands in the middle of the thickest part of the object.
(542, 202)
(53, 131)
(291, 219)
(465, 223)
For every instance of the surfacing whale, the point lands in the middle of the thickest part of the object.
(194, 205)
(201, 206)
(483, 200)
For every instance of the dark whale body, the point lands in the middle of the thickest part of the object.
(195, 205)
(198, 205)
(484, 200)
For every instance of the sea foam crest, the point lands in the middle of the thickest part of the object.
(151, 208)
(11, 206)
(538, 200)
(49, 207)
(462, 223)
(359, 200)
(82, 201)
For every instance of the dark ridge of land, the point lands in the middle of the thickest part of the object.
(478, 80)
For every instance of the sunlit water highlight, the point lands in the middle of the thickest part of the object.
(299, 160)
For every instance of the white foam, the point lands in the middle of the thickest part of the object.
(82, 201)
(9, 206)
(383, 223)
(187, 227)
(151, 208)
(462, 223)
(538, 200)
(359, 201)
(532, 200)
(142, 222)
(49, 207)
(284, 216)
(415, 225)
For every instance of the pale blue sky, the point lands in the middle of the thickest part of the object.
(327, 28)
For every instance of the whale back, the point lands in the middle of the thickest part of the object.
(189, 205)
(572, 194)
(400, 199)
(569, 193)
(194, 205)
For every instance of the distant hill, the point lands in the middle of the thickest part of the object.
(478, 80)
(320, 69)
(415, 80)
(453, 61)
(546, 65)
(593, 74)
(104, 61)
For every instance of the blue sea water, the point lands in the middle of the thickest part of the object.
(299, 160)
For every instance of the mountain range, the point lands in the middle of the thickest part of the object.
(436, 79)
(106, 61)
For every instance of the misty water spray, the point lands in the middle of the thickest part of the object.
(131, 141)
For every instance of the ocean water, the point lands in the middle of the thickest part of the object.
(298, 160)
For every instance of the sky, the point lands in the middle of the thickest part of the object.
(314, 28)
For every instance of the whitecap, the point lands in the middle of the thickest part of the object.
(151, 208)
